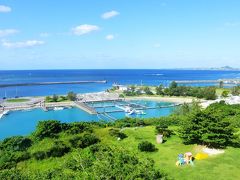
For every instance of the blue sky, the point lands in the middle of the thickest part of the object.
(106, 34)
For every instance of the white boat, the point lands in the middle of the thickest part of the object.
(1, 115)
(126, 109)
(58, 108)
(5, 112)
(140, 112)
(132, 112)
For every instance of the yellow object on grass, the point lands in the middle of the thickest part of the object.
(200, 156)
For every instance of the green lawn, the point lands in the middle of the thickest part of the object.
(224, 166)
(17, 100)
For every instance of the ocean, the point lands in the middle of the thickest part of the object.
(145, 77)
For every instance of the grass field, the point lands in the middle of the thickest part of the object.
(221, 167)
(17, 100)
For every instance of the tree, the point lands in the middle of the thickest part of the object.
(71, 96)
(48, 99)
(48, 128)
(225, 93)
(208, 127)
(210, 93)
(160, 90)
(55, 98)
(221, 84)
(147, 90)
(16, 143)
(173, 85)
(236, 90)
(146, 146)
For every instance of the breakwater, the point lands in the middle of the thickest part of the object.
(49, 83)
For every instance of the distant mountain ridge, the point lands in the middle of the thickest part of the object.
(225, 68)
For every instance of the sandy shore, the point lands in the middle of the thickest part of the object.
(164, 99)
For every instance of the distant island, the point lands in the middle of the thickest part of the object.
(224, 68)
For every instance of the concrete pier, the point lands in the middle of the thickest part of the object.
(85, 107)
(49, 83)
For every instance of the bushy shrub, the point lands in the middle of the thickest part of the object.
(84, 141)
(76, 128)
(10, 159)
(117, 133)
(11, 174)
(39, 155)
(164, 131)
(58, 149)
(20, 156)
(146, 146)
(79, 164)
(128, 122)
(99, 148)
(48, 128)
(16, 143)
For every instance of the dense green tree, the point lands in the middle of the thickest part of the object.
(55, 98)
(210, 93)
(208, 127)
(173, 85)
(221, 84)
(147, 90)
(71, 96)
(160, 90)
(146, 146)
(15, 143)
(48, 128)
(236, 90)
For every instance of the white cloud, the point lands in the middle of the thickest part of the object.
(22, 44)
(84, 29)
(110, 37)
(110, 14)
(5, 9)
(6, 32)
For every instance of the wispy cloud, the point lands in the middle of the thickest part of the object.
(84, 29)
(6, 32)
(110, 14)
(110, 37)
(22, 44)
(5, 9)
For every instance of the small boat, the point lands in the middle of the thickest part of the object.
(6, 112)
(132, 112)
(140, 112)
(58, 108)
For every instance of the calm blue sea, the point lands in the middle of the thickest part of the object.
(24, 122)
(147, 77)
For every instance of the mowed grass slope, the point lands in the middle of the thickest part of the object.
(224, 166)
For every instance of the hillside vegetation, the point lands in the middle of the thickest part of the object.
(127, 148)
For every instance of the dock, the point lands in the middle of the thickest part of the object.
(83, 106)
(49, 83)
